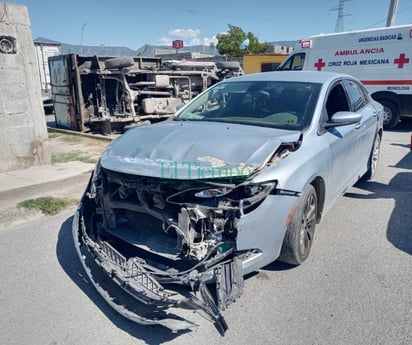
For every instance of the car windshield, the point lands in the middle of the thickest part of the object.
(277, 104)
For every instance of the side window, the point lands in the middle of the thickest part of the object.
(336, 100)
(356, 95)
(294, 62)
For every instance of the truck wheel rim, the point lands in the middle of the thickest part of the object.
(387, 115)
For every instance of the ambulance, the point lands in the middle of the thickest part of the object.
(380, 58)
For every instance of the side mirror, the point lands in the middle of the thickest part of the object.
(343, 118)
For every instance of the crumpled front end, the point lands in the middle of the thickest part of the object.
(155, 248)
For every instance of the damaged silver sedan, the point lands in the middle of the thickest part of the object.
(176, 213)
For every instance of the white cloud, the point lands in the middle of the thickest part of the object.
(184, 33)
(190, 37)
(166, 41)
(210, 40)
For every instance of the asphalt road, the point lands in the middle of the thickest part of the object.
(355, 288)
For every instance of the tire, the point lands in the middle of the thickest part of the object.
(391, 114)
(301, 229)
(119, 62)
(373, 158)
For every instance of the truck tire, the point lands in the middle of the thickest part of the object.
(119, 62)
(301, 229)
(391, 114)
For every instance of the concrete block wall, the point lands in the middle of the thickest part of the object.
(23, 131)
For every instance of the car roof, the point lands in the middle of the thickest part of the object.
(303, 76)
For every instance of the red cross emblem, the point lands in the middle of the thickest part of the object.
(320, 64)
(401, 60)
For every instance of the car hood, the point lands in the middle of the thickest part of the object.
(194, 150)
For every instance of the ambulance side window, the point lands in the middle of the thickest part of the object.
(294, 63)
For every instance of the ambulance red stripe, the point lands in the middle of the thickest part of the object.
(387, 82)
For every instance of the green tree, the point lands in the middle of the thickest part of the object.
(230, 43)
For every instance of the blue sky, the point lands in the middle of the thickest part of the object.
(134, 23)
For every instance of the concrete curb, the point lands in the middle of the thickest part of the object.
(37, 175)
(64, 180)
(88, 135)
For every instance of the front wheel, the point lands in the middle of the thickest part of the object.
(301, 229)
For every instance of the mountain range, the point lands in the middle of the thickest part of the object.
(146, 50)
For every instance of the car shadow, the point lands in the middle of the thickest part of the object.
(278, 266)
(399, 188)
(402, 127)
(68, 260)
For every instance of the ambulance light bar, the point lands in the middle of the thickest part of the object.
(306, 43)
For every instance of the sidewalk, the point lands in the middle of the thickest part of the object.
(36, 175)
(65, 180)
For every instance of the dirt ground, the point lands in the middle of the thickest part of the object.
(63, 143)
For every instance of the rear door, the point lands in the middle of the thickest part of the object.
(64, 107)
(359, 102)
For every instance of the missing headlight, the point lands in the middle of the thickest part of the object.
(213, 192)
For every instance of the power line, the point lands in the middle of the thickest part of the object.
(341, 13)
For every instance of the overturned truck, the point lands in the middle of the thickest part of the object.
(108, 94)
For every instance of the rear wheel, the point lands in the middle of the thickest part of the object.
(301, 229)
(373, 158)
(391, 114)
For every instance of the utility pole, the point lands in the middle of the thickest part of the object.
(81, 38)
(200, 30)
(341, 13)
(393, 8)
